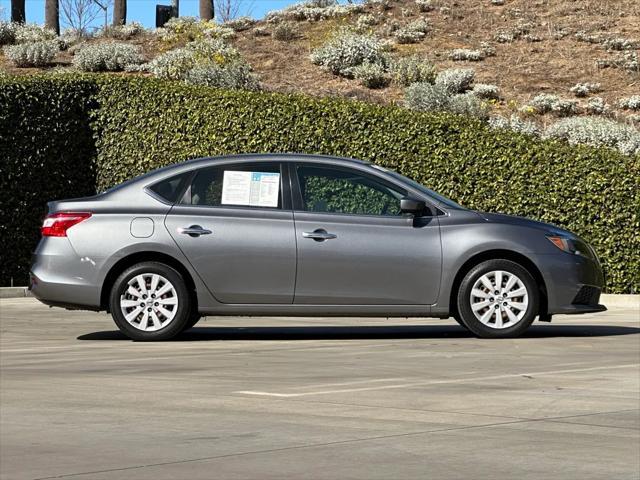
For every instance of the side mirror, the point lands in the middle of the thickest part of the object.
(413, 206)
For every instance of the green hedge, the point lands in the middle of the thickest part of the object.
(47, 152)
(140, 124)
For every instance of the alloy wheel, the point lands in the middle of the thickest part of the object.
(150, 302)
(499, 299)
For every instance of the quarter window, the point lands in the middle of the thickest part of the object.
(337, 190)
(170, 188)
(248, 185)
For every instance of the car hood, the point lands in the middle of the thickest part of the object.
(524, 222)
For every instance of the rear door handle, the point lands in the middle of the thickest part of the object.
(319, 235)
(194, 231)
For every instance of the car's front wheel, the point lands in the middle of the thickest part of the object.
(150, 301)
(498, 299)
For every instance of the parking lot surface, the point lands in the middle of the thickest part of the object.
(245, 398)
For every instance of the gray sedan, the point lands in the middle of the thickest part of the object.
(301, 235)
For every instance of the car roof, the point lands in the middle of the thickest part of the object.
(252, 157)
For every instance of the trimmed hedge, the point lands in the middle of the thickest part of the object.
(47, 152)
(139, 124)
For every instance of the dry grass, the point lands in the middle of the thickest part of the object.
(521, 69)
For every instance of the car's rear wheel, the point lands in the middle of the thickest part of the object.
(498, 299)
(150, 302)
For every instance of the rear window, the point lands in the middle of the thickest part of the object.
(170, 188)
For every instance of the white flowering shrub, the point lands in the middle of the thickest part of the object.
(413, 32)
(347, 50)
(30, 32)
(7, 33)
(427, 97)
(34, 54)
(173, 64)
(620, 43)
(564, 108)
(371, 75)
(261, 31)
(487, 49)
(466, 54)
(582, 36)
(234, 76)
(188, 29)
(504, 36)
(629, 61)
(543, 103)
(425, 5)
(405, 36)
(122, 32)
(596, 131)
(285, 31)
(412, 69)
(532, 38)
(484, 90)
(365, 21)
(71, 37)
(547, 103)
(314, 11)
(239, 24)
(470, 105)
(456, 80)
(508, 35)
(584, 89)
(107, 57)
(597, 106)
(630, 103)
(515, 124)
(176, 64)
(136, 68)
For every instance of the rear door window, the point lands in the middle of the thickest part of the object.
(256, 185)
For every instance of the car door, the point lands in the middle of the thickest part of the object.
(235, 225)
(354, 245)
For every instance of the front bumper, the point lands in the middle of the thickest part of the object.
(573, 283)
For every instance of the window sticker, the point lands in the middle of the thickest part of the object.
(254, 189)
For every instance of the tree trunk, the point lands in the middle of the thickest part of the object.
(176, 7)
(17, 11)
(206, 9)
(119, 12)
(52, 15)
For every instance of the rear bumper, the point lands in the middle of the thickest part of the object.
(59, 277)
(573, 283)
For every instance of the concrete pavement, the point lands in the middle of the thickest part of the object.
(245, 398)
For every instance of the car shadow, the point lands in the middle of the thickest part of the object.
(366, 332)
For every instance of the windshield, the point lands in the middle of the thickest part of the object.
(421, 188)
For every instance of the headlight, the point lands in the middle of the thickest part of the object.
(571, 245)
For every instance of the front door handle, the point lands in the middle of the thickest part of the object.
(319, 235)
(194, 231)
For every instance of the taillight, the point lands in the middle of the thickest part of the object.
(57, 224)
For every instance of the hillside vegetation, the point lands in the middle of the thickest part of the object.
(526, 63)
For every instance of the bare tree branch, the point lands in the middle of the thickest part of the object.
(230, 9)
(80, 14)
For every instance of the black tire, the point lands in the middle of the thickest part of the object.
(459, 321)
(195, 318)
(483, 330)
(174, 326)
